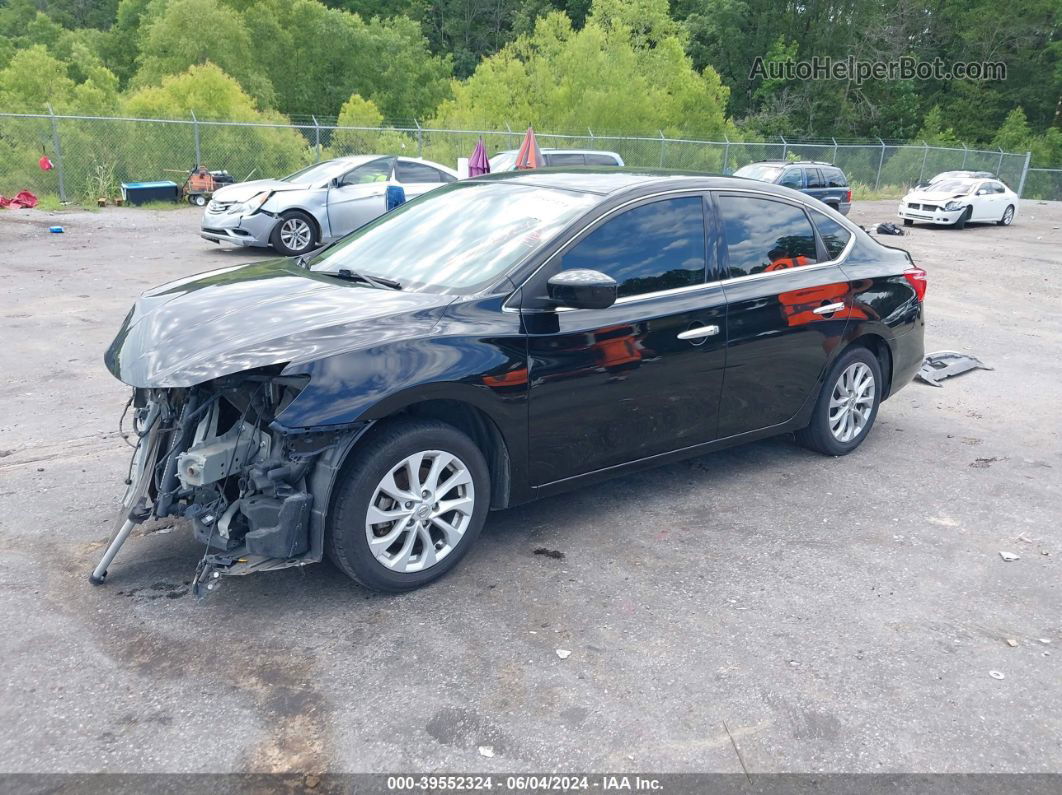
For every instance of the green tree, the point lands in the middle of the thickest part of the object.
(192, 32)
(607, 76)
(360, 112)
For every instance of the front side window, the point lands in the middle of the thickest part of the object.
(834, 236)
(376, 171)
(458, 238)
(792, 179)
(657, 246)
(764, 235)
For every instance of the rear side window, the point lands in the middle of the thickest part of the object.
(814, 177)
(601, 160)
(834, 236)
(657, 246)
(418, 172)
(764, 235)
(834, 178)
(564, 159)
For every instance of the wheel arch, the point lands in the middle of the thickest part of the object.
(879, 346)
(315, 222)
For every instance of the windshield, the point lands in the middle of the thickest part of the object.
(458, 238)
(952, 186)
(760, 172)
(319, 172)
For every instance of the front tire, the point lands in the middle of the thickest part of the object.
(961, 223)
(295, 234)
(1008, 216)
(410, 502)
(908, 222)
(847, 405)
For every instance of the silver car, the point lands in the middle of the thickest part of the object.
(316, 205)
(506, 161)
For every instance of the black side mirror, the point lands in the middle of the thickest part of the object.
(582, 289)
(335, 182)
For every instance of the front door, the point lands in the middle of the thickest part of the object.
(642, 377)
(359, 196)
(787, 307)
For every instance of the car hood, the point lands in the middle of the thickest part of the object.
(929, 195)
(274, 312)
(242, 191)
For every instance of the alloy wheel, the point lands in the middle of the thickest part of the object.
(852, 402)
(419, 511)
(1008, 216)
(296, 234)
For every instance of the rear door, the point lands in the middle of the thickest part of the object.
(787, 307)
(642, 377)
(815, 185)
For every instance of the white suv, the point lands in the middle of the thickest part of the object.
(506, 161)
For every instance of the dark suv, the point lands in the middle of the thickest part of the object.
(496, 340)
(824, 181)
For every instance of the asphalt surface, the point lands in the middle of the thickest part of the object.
(763, 609)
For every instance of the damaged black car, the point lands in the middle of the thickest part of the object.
(497, 340)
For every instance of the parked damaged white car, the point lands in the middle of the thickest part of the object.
(319, 204)
(954, 202)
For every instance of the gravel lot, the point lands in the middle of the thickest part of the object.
(763, 607)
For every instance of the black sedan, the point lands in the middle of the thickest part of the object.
(497, 340)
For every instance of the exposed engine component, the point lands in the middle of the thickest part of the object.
(211, 455)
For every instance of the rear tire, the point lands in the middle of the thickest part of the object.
(295, 234)
(961, 223)
(1008, 216)
(847, 404)
(417, 514)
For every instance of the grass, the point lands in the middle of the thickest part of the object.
(861, 192)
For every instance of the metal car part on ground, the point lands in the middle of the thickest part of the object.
(944, 364)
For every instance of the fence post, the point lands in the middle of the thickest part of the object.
(662, 139)
(785, 147)
(420, 138)
(59, 153)
(999, 168)
(316, 138)
(510, 129)
(1024, 172)
(591, 137)
(834, 162)
(965, 152)
(726, 154)
(881, 162)
(195, 134)
(925, 154)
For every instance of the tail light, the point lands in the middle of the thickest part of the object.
(848, 196)
(916, 277)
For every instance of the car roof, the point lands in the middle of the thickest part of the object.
(791, 163)
(609, 180)
(562, 151)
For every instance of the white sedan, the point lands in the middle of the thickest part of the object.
(953, 202)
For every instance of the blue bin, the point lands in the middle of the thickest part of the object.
(143, 192)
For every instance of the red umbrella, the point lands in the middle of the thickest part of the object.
(529, 156)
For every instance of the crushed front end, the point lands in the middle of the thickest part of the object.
(213, 454)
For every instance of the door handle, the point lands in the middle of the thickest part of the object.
(698, 333)
(829, 309)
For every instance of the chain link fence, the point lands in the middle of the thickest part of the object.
(93, 155)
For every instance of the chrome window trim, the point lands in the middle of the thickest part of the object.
(806, 206)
